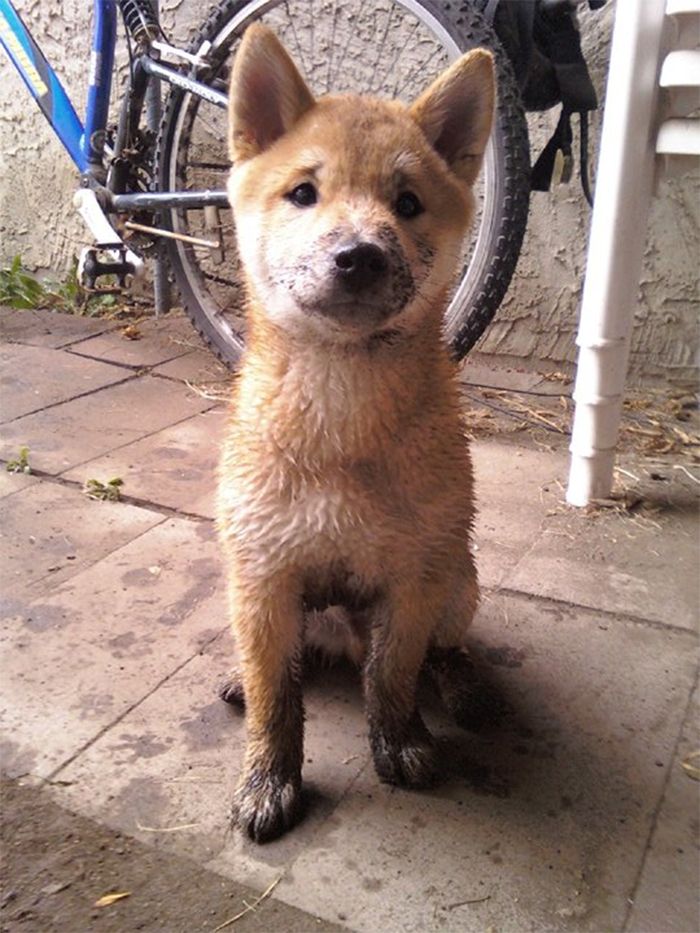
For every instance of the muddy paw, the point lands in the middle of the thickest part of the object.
(265, 806)
(408, 763)
(230, 690)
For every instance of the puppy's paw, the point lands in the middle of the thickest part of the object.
(231, 690)
(409, 762)
(265, 806)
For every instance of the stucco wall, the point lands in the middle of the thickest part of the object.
(537, 322)
(538, 319)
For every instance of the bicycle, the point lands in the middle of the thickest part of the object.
(157, 175)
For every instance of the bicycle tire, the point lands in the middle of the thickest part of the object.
(481, 288)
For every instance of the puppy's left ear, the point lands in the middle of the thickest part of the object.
(267, 96)
(456, 112)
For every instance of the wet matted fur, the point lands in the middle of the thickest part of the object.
(346, 478)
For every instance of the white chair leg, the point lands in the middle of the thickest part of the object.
(618, 232)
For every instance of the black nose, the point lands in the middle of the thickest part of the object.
(360, 265)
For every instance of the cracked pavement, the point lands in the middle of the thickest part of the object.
(574, 813)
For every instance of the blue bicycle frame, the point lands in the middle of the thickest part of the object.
(107, 188)
(83, 142)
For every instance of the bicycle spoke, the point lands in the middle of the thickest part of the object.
(380, 51)
(399, 52)
(342, 59)
(398, 90)
(334, 17)
(215, 131)
(296, 38)
(311, 36)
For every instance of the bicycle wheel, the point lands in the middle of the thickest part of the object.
(390, 48)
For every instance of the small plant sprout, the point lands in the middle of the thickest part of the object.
(19, 288)
(106, 492)
(21, 464)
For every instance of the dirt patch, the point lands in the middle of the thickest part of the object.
(56, 865)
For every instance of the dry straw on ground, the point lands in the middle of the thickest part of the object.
(654, 421)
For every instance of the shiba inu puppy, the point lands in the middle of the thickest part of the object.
(346, 480)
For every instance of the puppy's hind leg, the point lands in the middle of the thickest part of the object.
(471, 702)
(268, 625)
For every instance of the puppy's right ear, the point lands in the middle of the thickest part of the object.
(267, 97)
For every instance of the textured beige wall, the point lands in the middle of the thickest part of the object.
(539, 317)
(537, 322)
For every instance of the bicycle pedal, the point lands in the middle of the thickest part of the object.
(106, 259)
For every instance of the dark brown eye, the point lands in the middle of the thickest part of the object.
(407, 205)
(304, 195)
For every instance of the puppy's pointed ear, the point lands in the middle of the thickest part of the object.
(456, 112)
(268, 95)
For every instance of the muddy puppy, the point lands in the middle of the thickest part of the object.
(346, 480)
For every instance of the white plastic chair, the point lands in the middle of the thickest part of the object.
(633, 133)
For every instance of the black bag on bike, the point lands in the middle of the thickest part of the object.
(543, 42)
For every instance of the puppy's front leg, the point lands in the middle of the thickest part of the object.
(268, 626)
(402, 747)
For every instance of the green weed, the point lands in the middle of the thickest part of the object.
(21, 464)
(20, 289)
(107, 492)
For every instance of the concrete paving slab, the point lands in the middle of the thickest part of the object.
(50, 533)
(11, 483)
(541, 825)
(336, 751)
(543, 822)
(197, 366)
(75, 661)
(476, 373)
(80, 430)
(43, 328)
(56, 863)
(175, 467)
(513, 487)
(174, 760)
(167, 764)
(154, 341)
(571, 806)
(642, 562)
(33, 377)
(672, 864)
